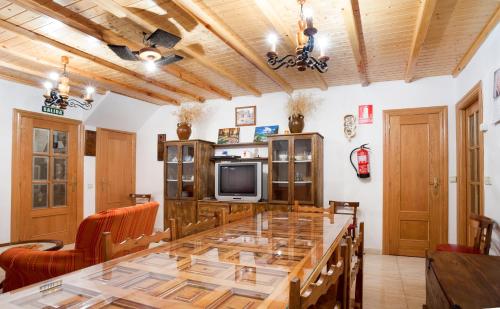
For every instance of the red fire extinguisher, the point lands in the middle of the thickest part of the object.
(363, 159)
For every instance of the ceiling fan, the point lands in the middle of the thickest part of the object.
(150, 53)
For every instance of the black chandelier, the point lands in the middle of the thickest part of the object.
(302, 59)
(58, 97)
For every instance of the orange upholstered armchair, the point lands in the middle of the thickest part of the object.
(25, 266)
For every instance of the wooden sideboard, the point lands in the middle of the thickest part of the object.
(458, 280)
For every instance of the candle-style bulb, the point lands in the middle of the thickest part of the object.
(88, 93)
(323, 43)
(273, 40)
(48, 88)
(308, 14)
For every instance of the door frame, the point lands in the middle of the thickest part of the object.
(17, 114)
(474, 95)
(98, 184)
(443, 111)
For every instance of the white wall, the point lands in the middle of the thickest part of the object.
(341, 182)
(482, 68)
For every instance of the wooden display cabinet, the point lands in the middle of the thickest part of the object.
(188, 177)
(296, 169)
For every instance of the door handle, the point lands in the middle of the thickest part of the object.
(435, 183)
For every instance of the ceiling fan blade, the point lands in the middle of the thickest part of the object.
(168, 60)
(124, 52)
(163, 38)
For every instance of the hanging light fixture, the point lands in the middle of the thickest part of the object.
(302, 59)
(58, 96)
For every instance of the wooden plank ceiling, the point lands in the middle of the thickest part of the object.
(224, 43)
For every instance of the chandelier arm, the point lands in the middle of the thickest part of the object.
(321, 66)
(83, 105)
(275, 63)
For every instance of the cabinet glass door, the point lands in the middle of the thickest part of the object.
(172, 172)
(303, 171)
(188, 171)
(280, 166)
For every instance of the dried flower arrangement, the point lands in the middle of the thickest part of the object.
(301, 104)
(189, 113)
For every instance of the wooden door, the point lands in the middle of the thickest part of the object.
(415, 180)
(470, 162)
(472, 159)
(115, 168)
(47, 177)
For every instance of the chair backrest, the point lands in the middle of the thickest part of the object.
(322, 285)
(138, 198)
(123, 223)
(198, 227)
(345, 208)
(111, 249)
(234, 216)
(484, 229)
(296, 207)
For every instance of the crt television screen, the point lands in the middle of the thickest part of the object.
(238, 179)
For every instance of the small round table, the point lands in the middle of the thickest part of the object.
(41, 245)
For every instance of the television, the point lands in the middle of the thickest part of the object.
(238, 181)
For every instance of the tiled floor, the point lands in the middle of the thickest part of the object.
(394, 282)
(391, 282)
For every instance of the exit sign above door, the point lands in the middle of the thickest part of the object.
(52, 110)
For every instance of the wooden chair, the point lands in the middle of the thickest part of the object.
(347, 208)
(111, 249)
(235, 216)
(327, 290)
(137, 198)
(198, 227)
(311, 209)
(356, 275)
(482, 239)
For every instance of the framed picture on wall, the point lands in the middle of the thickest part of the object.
(246, 116)
(261, 133)
(229, 136)
(496, 86)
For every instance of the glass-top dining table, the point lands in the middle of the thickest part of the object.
(244, 264)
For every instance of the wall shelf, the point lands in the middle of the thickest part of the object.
(240, 159)
(241, 145)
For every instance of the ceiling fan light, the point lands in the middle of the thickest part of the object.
(149, 54)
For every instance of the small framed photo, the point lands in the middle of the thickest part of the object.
(496, 86)
(229, 136)
(246, 116)
(261, 133)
